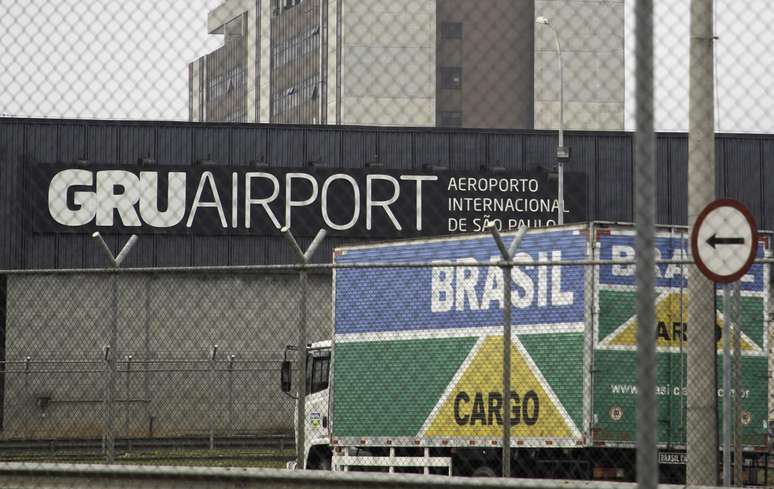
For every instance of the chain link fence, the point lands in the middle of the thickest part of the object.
(403, 356)
(475, 304)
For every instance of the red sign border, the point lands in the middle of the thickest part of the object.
(723, 279)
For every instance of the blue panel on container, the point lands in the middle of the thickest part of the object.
(621, 247)
(440, 298)
(324, 253)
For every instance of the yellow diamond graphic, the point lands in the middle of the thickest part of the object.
(474, 406)
(671, 327)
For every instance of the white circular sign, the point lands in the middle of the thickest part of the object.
(724, 241)
(746, 418)
(616, 413)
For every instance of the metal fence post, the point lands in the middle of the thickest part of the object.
(110, 348)
(110, 365)
(506, 267)
(27, 364)
(702, 438)
(213, 355)
(127, 400)
(304, 258)
(146, 365)
(645, 218)
(230, 422)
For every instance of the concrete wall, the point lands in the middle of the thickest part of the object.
(168, 323)
(226, 81)
(332, 66)
(263, 39)
(591, 33)
(195, 95)
(388, 62)
(494, 51)
(296, 41)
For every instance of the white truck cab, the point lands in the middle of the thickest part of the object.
(317, 451)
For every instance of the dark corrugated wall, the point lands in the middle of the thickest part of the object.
(745, 164)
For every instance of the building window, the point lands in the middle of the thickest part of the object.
(450, 119)
(451, 30)
(451, 77)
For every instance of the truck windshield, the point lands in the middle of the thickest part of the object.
(317, 366)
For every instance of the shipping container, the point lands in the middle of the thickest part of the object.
(417, 355)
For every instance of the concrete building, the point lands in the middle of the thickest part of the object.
(591, 34)
(449, 63)
(169, 322)
(398, 63)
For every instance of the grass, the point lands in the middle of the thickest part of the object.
(192, 457)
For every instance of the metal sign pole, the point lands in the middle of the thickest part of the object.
(701, 437)
(645, 269)
(724, 240)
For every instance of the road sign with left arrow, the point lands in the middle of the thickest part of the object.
(723, 241)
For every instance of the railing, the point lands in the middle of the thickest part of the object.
(22, 475)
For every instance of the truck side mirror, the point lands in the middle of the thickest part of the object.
(285, 376)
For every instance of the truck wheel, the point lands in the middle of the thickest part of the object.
(484, 471)
(320, 459)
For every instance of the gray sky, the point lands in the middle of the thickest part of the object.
(744, 60)
(128, 60)
(113, 59)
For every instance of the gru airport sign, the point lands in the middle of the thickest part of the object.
(221, 200)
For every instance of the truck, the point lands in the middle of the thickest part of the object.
(411, 380)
